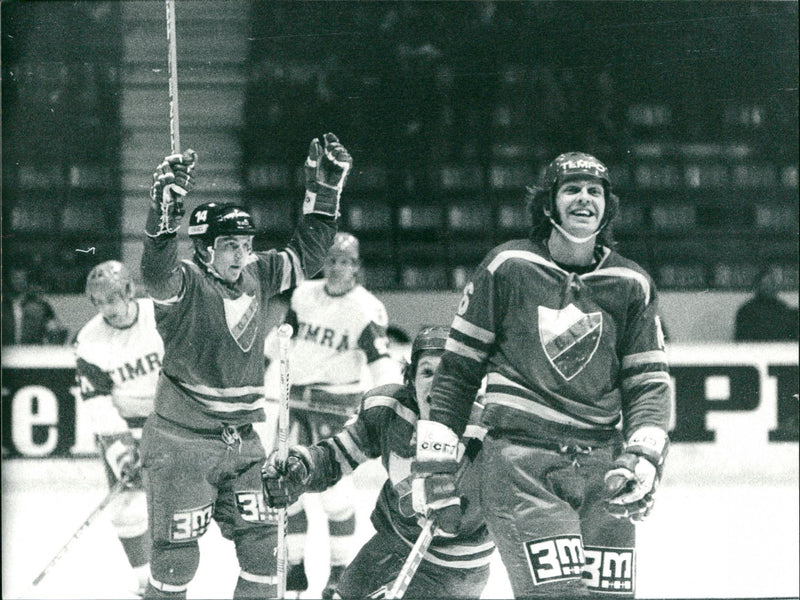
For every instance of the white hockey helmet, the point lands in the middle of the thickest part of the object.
(108, 277)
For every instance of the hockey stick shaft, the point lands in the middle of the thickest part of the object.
(120, 485)
(172, 60)
(409, 568)
(420, 547)
(284, 338)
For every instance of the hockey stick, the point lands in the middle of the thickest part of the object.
(172, 59)
(420, 547)
(120, 485)
(284, 336)
(409, 569)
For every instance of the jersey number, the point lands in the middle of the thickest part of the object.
(464, 304)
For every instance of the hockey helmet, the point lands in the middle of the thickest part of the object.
(542, 199)
(212, 220)
(109, 277)
(344, 244)
(573, 164)
(430, 338)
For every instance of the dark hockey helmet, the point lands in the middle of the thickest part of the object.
(542, 199)
(430, 338)
(211, 220)
(110, 276)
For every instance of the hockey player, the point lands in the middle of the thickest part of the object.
(118, 359)
(577, 398)
(199, 451)
(456, 565)
(339, 328)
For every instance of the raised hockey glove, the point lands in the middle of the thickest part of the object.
(433, 489)
(121, 453)
(326, 171)
(632, 481)
(172, 180)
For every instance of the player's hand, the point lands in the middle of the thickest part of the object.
(326, 171)
(285, 480)
(172, 180)
(633, 478)
(631, 484)
(121, 453)
(433, 489)
(435, 496)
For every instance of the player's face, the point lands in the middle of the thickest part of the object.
(581, 203)
(117, 310)
(340, 273)
(426, 367)
(230, 255)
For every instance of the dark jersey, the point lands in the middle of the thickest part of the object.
(578, 349)
(213, 331)
(385, 427)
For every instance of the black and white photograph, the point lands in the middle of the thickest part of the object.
(476, 299)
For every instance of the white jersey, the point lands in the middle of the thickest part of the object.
(121, 363)
(335, 338)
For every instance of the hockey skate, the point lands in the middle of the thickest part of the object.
(333, 582)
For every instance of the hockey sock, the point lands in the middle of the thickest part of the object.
(249, 586)
(137, 549)
(341, 539)
(296, 531)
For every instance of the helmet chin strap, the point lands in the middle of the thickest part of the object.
(210, 264)
(572, 238)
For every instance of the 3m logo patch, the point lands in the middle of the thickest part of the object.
(253, 509)
(555, 559)
(610, 570)
(569, 337)
(190, 524)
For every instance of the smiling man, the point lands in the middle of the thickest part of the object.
(577, 399)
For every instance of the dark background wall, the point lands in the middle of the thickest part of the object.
(449, 108)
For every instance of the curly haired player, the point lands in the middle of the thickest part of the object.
(567, 333)
(200, 454)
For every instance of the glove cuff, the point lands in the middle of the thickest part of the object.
(651, 443)
(437, 448)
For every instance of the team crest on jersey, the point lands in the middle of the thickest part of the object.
(570, 338)
(239, 314)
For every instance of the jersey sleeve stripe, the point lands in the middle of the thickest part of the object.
(403, 412)
(462, 349)
(348, 447)
(641, 358)
(286, 278)
(642, 379)
(472, 330)
(623, 272)
(297, 267)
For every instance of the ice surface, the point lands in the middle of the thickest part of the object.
(721, 540)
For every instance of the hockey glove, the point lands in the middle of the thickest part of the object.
(433, 489)
(633, 479)
(306, 468)
(326, 171)
(121, 454)
(172, 180)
